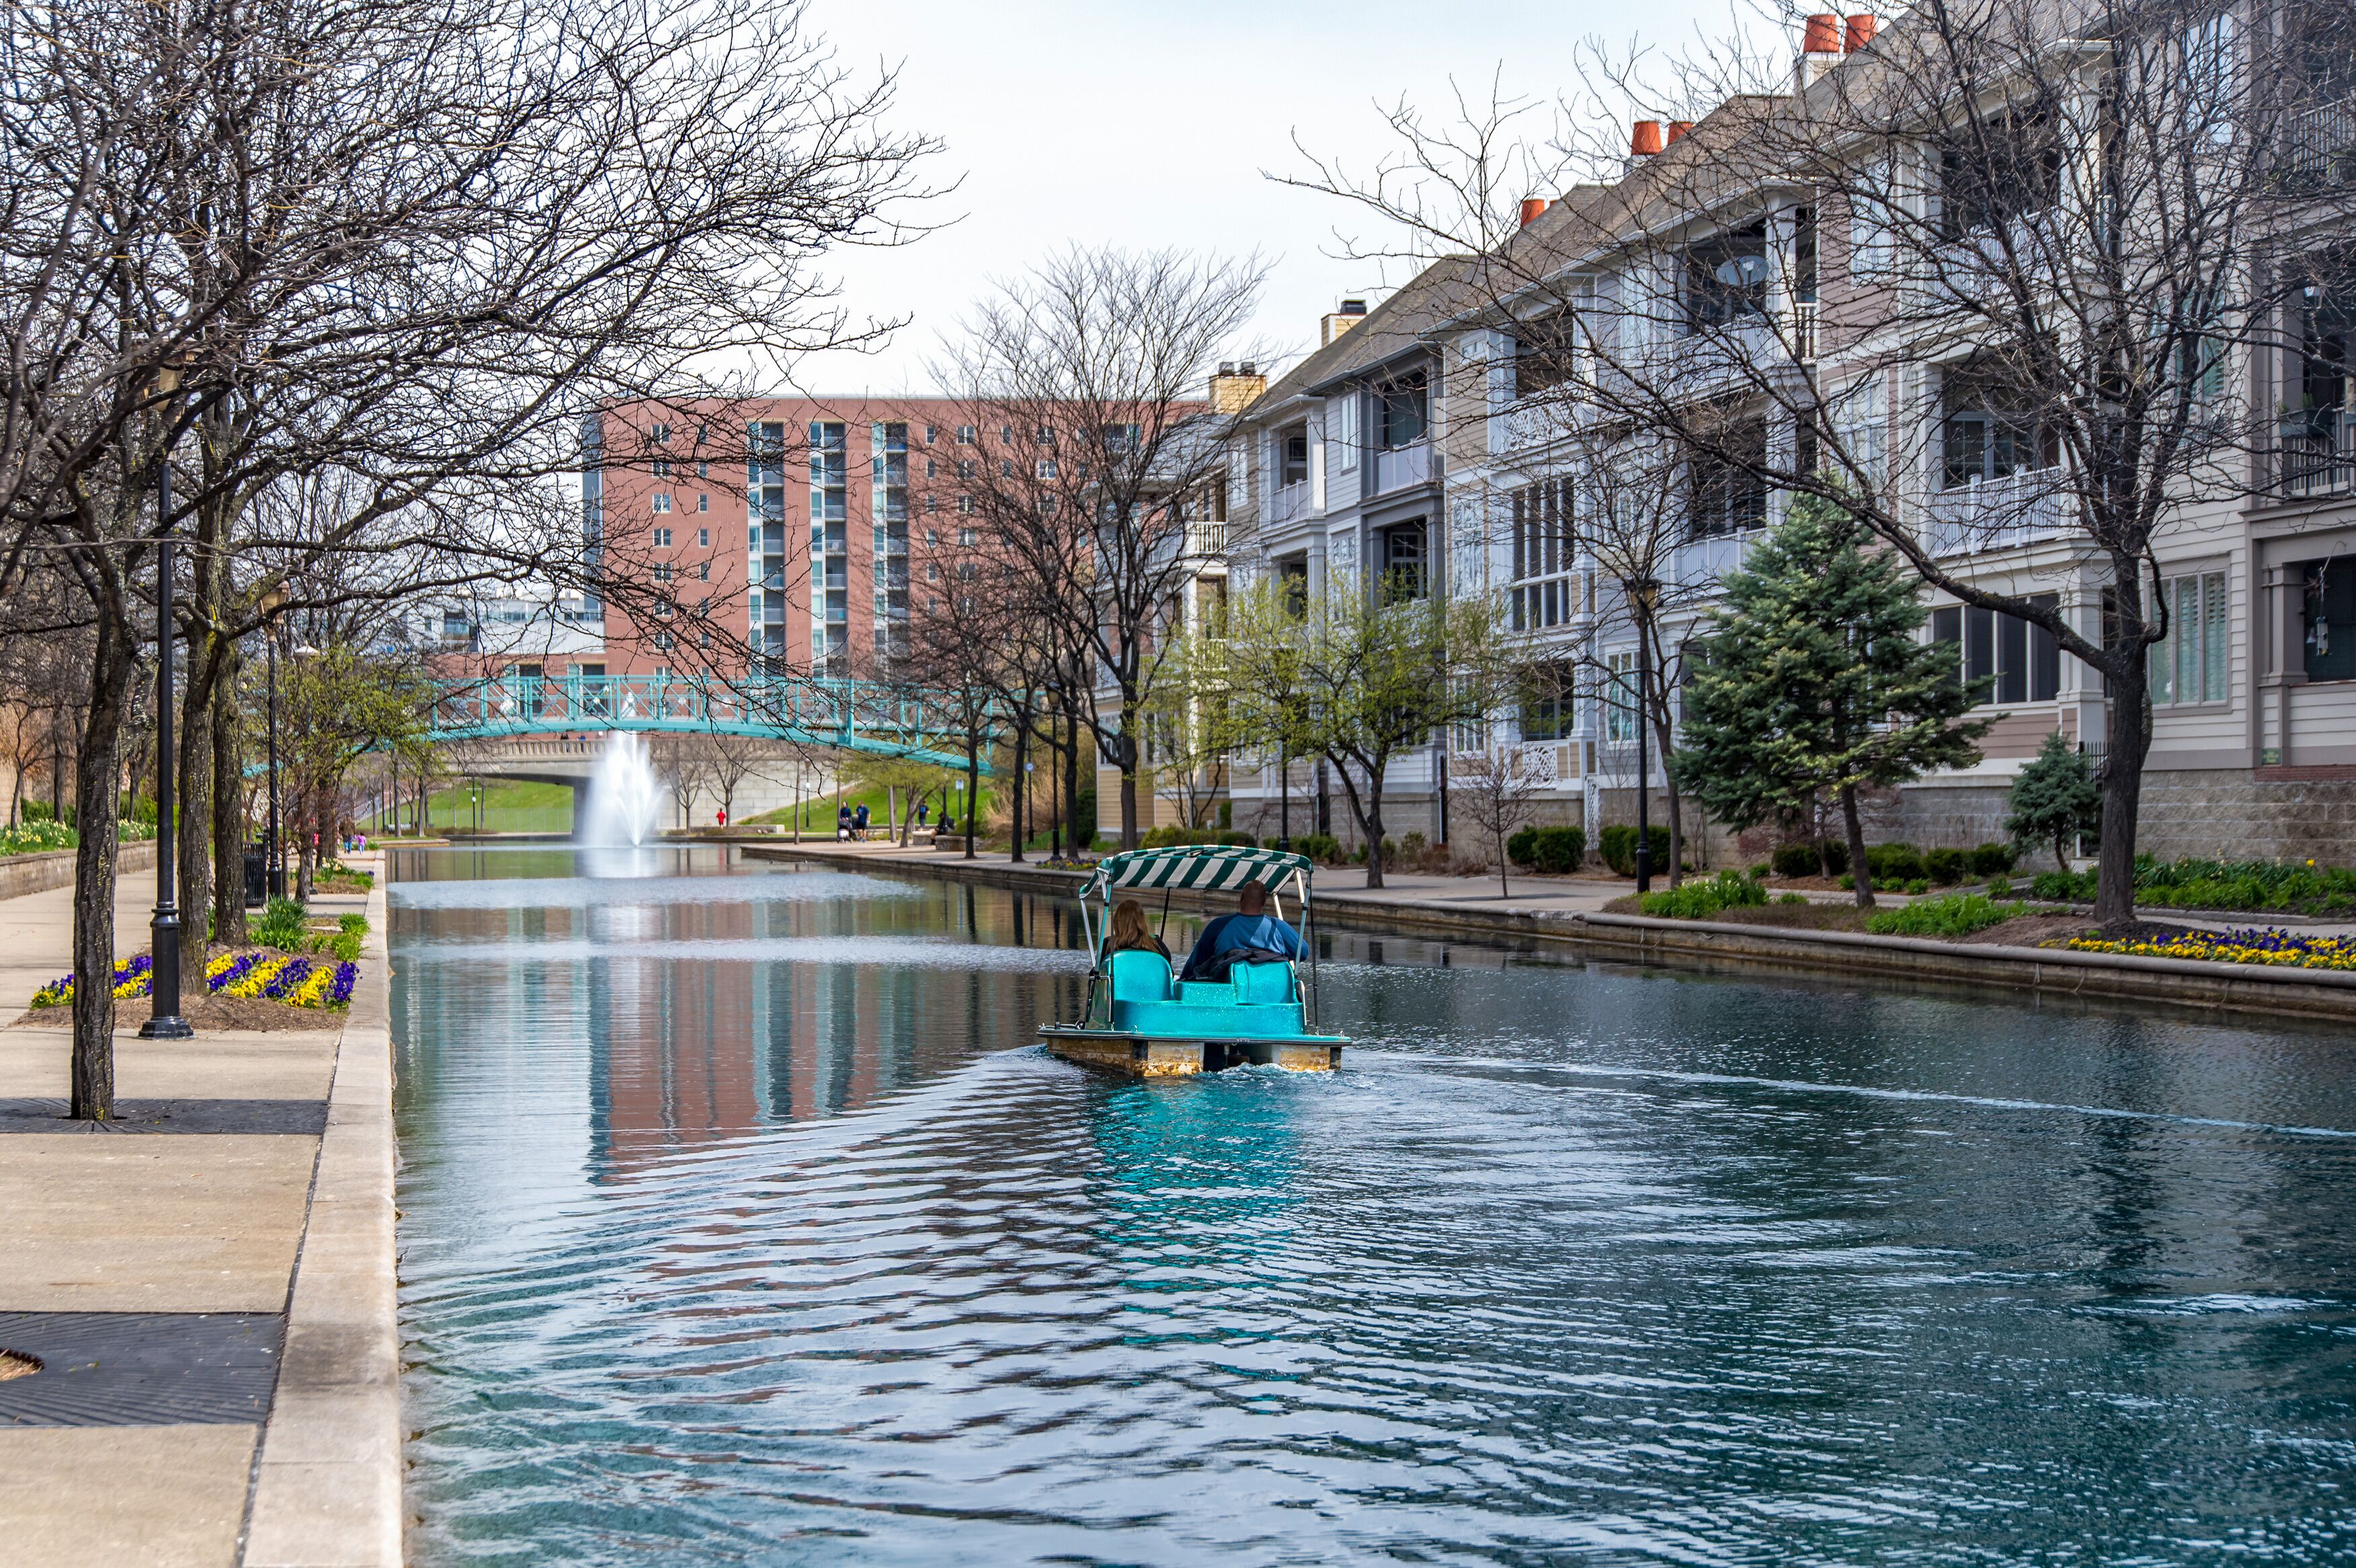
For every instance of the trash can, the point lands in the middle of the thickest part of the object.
(257, 885)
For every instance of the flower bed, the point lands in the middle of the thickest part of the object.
(2257, 944)
(288, 977)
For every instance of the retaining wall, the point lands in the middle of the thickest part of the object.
(21, 874)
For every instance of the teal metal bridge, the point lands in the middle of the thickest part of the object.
(886, 718)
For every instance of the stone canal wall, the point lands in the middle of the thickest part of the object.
(1730, 948)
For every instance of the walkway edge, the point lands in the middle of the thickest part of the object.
(328, 1492)
(1833, 954)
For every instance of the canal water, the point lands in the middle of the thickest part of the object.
(743, 1222)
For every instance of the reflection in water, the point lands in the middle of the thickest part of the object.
(750, 1227)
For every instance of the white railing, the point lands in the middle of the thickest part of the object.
(1286, 503)
(1998, 514)
(1704, 562)
(1536, 423)
(1803, 331)
(1208, 540)
(1403, 466)
(2321, 143)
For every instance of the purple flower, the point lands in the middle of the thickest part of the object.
(292, 975)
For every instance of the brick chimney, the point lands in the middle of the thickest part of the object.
(1333, 326)
(1236, 387)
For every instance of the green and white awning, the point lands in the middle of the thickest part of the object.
(1208, 867)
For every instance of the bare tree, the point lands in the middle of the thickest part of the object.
(1494, 787)
(1082, 379)
(684, 760)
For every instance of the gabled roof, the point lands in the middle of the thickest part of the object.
(1401, 323)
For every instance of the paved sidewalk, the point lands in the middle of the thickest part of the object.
(148, 1266)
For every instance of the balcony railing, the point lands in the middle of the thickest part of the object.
(1403, 466)
(1287, 502)
(1803, 331)
(1703, 563)
(1998, 514)
(2320, 144)
(2317, 453)
(1208, 540)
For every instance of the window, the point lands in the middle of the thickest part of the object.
(662, 639)
(703, 469)
(1727, 495)
(1549, 707)
(1123, 439)
(703, 571)
(1619, 697)
(662, 538)
(1726, 278)
(1860, 425)
(1992, 430)
(932, 571)
(964, 468)
(1401, 407)
(966, 538)
(1403, 562)
(928, 435)
(1292, 457)
(658, 433)
(2330, 634)
(1545, 547)
(965, 505)
(1006, 435)
(1872, 221)
(703, 536)
(2189, 664)
(662, 502)
(662, 468)
(932, 469)
(1343, 411)
(1006, 468)
(2010, 168)
(662, 572)
(964, 435)
(1544, 354)
(1047, 469)
(829, 473)
(2004, 658)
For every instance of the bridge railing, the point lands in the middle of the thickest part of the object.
(824, 711)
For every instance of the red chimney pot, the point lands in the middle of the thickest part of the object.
(1647, 139)
(1677, 128)
(1823, 35)
(1861, 29)
(1531, 206)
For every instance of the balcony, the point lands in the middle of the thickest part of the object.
(1536, 423)
(1404, 466)
(2317, 453)
(1207, 541)
(1288, 504)
(1998, 514)
(2318, 146)
(1803, 331)
(1701, 565)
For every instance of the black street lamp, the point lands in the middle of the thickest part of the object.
(274, 877)
(1643, 593)
(164, 1020)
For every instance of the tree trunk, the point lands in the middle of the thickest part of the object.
(228, 811)
(307, 854)
(2126, 740)
(1856, 846)
(1127, 759)
(97, 775)
(1021, 788)
(972, 789)
(1369, 813)
(1660, 722)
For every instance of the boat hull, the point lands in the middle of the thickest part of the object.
(1143, 1056)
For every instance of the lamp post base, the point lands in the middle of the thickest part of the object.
(167, 1029)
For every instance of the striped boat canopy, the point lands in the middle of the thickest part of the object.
(1208, 867)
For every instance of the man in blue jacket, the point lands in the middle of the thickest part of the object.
(1250, 935)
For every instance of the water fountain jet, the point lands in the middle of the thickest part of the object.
(624, 796)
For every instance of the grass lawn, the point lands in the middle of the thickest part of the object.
(818, 812)
(508, 806)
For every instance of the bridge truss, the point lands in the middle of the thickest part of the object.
(886, 718)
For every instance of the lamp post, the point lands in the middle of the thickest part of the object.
(164, 1020)
(274, 877)
(1642, 593)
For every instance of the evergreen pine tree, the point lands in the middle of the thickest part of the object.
(2055, 798)
(1813, 679)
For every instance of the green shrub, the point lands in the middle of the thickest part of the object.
(1792, 898)
(1847, 883)
(346, 946)
(1956, 914)
(1700, 899)
(1618, 847)
(1415, 843)
(1918, 887)
(1239, 839)
(1894, 863)
(353, 923)
(1999, 888)
(1558, 850)
(1759, 871)
(280, 926)
(1994, 859)
(1947, 867)
(1798, 859)
(1521, 848)
(1322, 847)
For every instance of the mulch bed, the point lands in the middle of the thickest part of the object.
(211, 1012)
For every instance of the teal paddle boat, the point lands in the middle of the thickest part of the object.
(1141, 1020)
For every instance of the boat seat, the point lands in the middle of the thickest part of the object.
(1139, 977)
(1263, 982)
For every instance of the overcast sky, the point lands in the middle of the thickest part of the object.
(1149, 125)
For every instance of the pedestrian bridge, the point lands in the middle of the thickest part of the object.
(886, 718)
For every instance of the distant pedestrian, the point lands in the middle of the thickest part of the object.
(721, 817)
(924, 809)
(859, 824)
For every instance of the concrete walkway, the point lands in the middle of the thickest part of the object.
(150, 1267)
